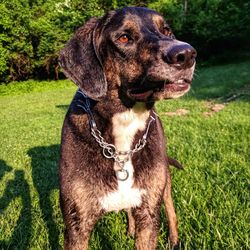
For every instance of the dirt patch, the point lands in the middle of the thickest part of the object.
(213, 108)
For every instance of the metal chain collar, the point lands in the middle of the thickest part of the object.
(109, 150)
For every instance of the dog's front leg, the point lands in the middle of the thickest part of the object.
(146, 227)
(76, 237)
(80, 216)
(170, 212)
(131, 224)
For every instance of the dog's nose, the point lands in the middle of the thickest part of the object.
(181, 55)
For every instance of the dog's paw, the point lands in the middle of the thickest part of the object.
(173, 247)
(131, 231)
(173, 243)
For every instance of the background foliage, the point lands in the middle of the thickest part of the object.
(33, 32)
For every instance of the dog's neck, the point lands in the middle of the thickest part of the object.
(127, 102)
(115, 103)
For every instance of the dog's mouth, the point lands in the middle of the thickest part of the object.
(142, 93)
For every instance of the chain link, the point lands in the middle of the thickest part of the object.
(109, 150)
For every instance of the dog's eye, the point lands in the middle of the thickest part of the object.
(166, 31)
(124, 38)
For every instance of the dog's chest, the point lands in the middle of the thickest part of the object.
(125, 127)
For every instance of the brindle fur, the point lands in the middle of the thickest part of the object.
(105, 70)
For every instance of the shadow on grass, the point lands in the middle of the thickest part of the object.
(63, 107)
(17, 188)
(222, 93)
(45, 178)
(3, 169)
(223, 82)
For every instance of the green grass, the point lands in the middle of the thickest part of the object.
(211, 196)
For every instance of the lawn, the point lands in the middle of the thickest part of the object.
(211, 196)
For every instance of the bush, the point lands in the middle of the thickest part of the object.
(33, 32)
(209, 25)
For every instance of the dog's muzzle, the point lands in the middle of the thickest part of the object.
(181, 56)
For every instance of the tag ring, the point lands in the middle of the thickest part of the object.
(122, 175)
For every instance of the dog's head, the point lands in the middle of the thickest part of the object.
(132, 51)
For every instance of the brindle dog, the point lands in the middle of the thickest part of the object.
(123, 62)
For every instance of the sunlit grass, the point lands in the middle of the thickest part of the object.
(211, 195)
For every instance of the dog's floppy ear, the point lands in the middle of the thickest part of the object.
(81, 64)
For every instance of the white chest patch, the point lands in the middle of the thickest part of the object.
(125, 127)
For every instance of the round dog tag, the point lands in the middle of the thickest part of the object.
(122, 175)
